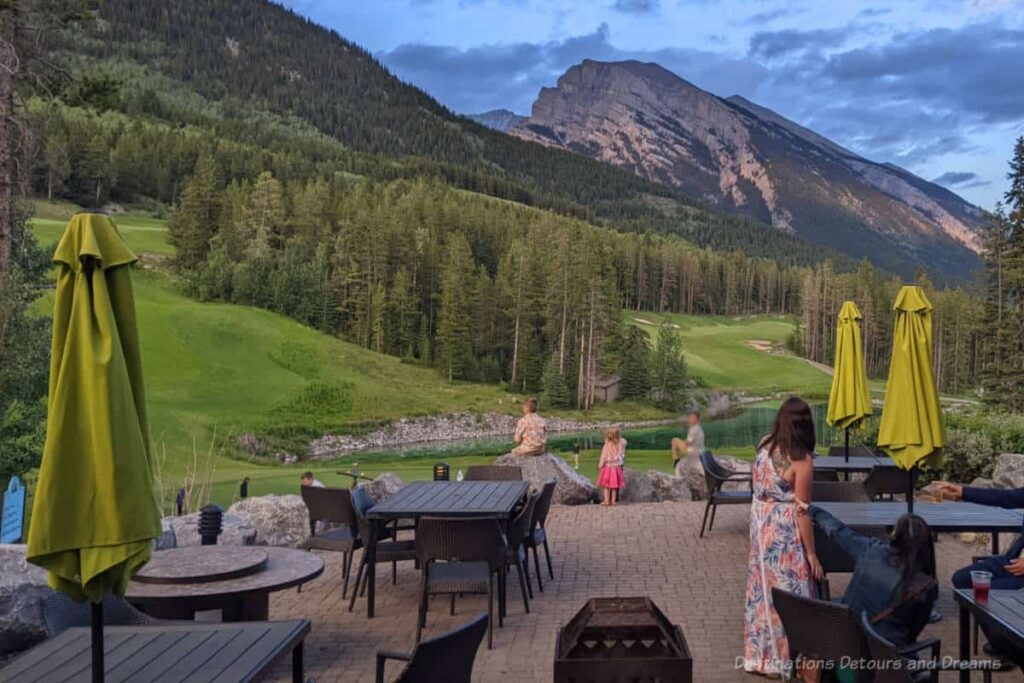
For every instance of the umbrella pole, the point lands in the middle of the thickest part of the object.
(847, 432)
(912, 476)
(97, 642)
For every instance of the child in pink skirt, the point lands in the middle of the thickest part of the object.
(613, 455)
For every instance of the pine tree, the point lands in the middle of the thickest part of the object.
(194, 221)
(668, 370)
(634, 367)
(454, 335)
(556, 389)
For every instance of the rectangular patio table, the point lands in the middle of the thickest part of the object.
(856, 463)
(177, 653)
(941, 517)
(495, 499)
(1004, 612)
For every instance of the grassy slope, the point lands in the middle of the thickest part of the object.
(717, 351)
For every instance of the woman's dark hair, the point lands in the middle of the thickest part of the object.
(915, 551)
(793, 433)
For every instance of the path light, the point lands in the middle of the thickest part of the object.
(441, 471)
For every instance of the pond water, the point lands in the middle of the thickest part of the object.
(741, 429)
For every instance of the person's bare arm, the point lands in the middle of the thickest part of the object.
(803, 471)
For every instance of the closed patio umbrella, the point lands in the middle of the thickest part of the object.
(848, 401)
(912, 428)
(95, 514)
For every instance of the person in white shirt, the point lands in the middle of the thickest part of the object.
(309, 480)
(693, 445)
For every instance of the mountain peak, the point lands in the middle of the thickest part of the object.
(498, 119)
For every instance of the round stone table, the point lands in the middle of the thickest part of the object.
(237, 580)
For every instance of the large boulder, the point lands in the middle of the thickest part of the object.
(383, 487)
(234, 530)
(691, 471)
(279, 520)
(1008, 472)
(572, 488)
(653, 486)
(22, 589)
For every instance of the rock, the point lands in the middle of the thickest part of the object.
(22, 589)
(383, 487)
(983, 483)
(690, 470)
(1008, 472)
(653, 486)
(235, 530)
(279, 520)
(572, 488)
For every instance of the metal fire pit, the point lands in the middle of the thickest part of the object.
(622, 640)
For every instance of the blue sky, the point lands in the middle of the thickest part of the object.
(936, 86)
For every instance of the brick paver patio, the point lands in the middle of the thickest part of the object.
(649, 549)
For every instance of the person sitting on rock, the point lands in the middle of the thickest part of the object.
(693, 446)
(309, 480)
(531, 434)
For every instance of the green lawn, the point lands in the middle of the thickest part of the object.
(143, 233)
(718, 350)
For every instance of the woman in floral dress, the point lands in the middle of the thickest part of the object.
(781, 537)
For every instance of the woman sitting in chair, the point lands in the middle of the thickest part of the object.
(894, 582)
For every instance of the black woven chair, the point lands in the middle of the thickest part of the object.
(838, 492)
(517, 532)
(827, 476)
(538, 535)
(445, 659)
(392, 551)
(902, 664)
(492, 473)
(61, 613)
(855, 451)
(887, 480)
(460, 556)
(333, 506)
(715, 477)
(821, 631)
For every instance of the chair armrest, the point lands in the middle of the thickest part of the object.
(385, 655)
(933, 644)
(981, 558)
(740, 476)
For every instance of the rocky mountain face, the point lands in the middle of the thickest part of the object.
(742, 157)
(498, 119)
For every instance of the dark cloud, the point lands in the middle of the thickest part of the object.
(960, 179)
(872, 12)
(771, 15)
(771, 45)
(636, 6)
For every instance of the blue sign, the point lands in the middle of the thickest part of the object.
(13, 518)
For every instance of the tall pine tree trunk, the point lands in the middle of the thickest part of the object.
(8, 73)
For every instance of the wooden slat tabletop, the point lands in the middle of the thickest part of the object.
(947, 517)
(196, 653)
(452, 499)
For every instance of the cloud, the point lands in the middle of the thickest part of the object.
(771, 15)
(770, 45)
(960, 179)
(636, 6)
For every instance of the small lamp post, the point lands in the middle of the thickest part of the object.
(441, 472)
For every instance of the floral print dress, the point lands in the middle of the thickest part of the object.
(777, 559)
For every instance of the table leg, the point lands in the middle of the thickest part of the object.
(371, 569)
(965, 643)
(298, 666)
(995, 542)
(252, 607)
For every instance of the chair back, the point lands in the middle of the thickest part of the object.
(714, 474)
(448, 539)
(61, 613)
(447, 658)
(887, 480)
(820, 630)
(361, 504)
(855, 451)
(520, 527)
(540, 512)
(493, 473)
(838, 492)
(890, 665)
(328, 505)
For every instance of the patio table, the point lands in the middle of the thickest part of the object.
(941, 517)
(495, 499)
(1003, 612)
(176, 653)
(856, 463)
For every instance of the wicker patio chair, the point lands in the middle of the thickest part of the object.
(887, 480)
(538, 535)
(715, 476)
(821, 631)
(902, 664)
(855, 451)
(445, 659)
(61, 613)
(492, 473)
(459, 556)
(517, 533)
(333, 506)
(392, 551)
(826, 476)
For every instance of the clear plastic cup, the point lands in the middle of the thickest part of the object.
(981, 582)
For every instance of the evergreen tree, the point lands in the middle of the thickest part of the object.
(193, 222)
(634, 367)
(668, 370)
(454, 335)
(556, 389)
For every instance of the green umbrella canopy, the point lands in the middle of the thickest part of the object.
(848, 401)
(912, 428)
(95, 514)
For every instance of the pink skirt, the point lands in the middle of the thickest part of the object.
(611, 478)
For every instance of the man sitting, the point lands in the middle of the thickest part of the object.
(694, 443)
(531, 431)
